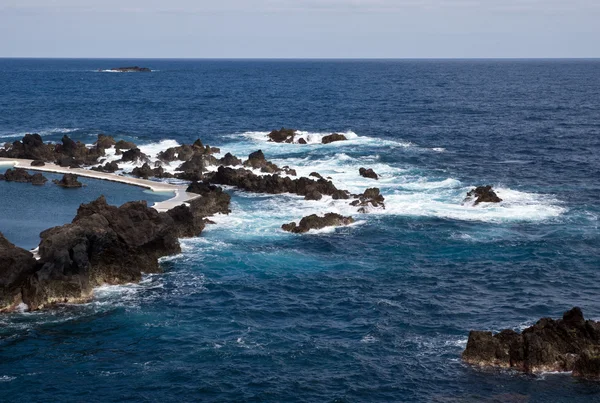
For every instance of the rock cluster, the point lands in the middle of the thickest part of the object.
(21, 175)
(568, 344)
(315, 222)
(145, 172)
(68, 181)
(483, 194)
(368, 173)
(370, 197)
(102, 245)
(109, 167)
(283, 135)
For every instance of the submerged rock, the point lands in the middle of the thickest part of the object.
(368, 173)
(483, 194)
(22, 176)
(68, 181)
(333, 137)
(315, 222)
(282, 136)
(567, 344)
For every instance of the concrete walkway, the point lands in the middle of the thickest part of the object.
(181, 196)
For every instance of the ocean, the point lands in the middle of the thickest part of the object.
(377, 311)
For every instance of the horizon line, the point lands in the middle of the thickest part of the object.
(300, 58)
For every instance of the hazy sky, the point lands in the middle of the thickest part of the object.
(300, 28)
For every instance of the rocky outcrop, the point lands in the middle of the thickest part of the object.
(257, 160)
(301, 141)
(186, 152)
(272, 184)
(124, 145)
(16, 265)
(315, 222)
(371, 197)
(333, 137)
(22, 176)
(230, 160)
(105, 141)
(368, 173)
(131, 69)
(37, 163)
(145, 172)
(568, 344)
(68, 181)
(213, 201)
(282, 136)
(32, 147)
(134, 155)
(482, 194)
(109, 167)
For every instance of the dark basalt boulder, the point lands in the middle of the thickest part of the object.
(146, 172)
(78, 152)
(316, 175)
(257, 160)
(567, 344)
(68, 181)
(37, 163)
(272, 184)
(289, 171)
(213, 201)
(483, 194)
(333, 137)
(230, 159)
(370, 197)
(368, 173)
(340, 194)
(282, 136)
(315, 222)
(109, 167)
(124, 145)
(68, 162)
(31, 147)
(132, 69)
(103, 245)
(22, 176)
(105, 141)
(134, 155)
(301, 141)
(313, 195)
(186, 152)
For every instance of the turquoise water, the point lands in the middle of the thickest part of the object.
(378, 311)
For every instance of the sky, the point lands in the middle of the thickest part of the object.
(300, 28)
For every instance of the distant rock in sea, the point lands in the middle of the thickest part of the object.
(131, 69)
(315, 222)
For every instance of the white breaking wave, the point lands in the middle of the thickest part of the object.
(315, 138)
(45, 132)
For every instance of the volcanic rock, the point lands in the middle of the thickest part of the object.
(22, 176)
(370, 197)
(15, 265)
(105, 141)
(257, 160)
(124, 145)
(333, 137)
(483, 194)
(567, 344)
(37, 163)
(315, 222)
(132, 69)
(68, 181)
(230, 159)
(368, 173)
(134, 155)
(109, 167)
(283, 135)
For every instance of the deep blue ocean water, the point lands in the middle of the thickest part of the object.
(379, 311)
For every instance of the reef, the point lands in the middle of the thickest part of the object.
(22, 176)
(568, 344)
(482, 194)
(315, 222)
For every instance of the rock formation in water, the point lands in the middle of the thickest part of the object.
(282, 136)
(131, 69)
(315, 222)
(68, 181)
(22, 176)
(568, 344)
(333, 137)
(368, 173)
(145, 172)
(134, 155)
(102, 245)
(230, 160)
(109, 167)
(371, 197)
(483, 194)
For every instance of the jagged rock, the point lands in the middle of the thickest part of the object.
(22, 176)
(230, 159)
(333, 137)
(15, 265)
(273, 184)
(315, 222)
(66, 161)
(78, 152)
(301, 140)
(134, 155)
(282, 136)
(109, 167)
(146, 172)
(68, 181)
(132, 69)
(168, 155)
(567, 344)
(124, 145)
(289, 171)
(213, 201)
(105, 141)
(368, 173)
(316, 175)
(103, 245)
(370, 197)
(257, 160)
(340, 194)
(37, 163)
(483, 194)
(31, 147)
